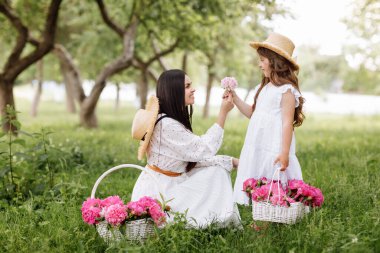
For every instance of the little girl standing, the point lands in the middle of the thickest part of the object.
(277, 109)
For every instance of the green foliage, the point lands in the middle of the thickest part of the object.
(320, 72)
(338, 154)
(333, 73)
(362, 80)
(364, 23)
(29, 165)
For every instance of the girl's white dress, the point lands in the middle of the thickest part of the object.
(205, 193)
(263, 141)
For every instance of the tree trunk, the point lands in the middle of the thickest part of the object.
(69, 82)
(37, 96)
(6, 98)
(143, 88)
(210, 79)
(70, 102)
(87, 114)
(117, 102)
(184, 62)
(16, 62)
(70, 73)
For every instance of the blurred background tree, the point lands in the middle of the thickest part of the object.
(23, 32)
(95, 43)
(363, 49)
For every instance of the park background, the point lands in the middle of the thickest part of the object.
(77, 71)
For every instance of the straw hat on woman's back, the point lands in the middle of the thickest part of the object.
(280, 44)
(143, 124)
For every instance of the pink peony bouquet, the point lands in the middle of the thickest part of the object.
(229, 83)
(144, 208)
(296, 191)
(115, 213)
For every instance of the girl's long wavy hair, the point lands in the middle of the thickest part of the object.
(170, 92)
(282, 72)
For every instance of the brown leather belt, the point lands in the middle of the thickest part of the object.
(165, 172)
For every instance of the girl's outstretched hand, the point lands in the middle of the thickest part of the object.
(283, 159)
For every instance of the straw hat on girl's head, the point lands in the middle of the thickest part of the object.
(143, 124)
(280, 44)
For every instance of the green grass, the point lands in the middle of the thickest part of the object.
(339, 154)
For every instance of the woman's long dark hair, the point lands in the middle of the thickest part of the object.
(282, 72)
(170, 92)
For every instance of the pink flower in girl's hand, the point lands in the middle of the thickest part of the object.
(249, 186)
(91, 209)
(229, 83)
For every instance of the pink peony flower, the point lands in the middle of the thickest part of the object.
(295, 184)
(115, 214)
(112, 200)
(261, 193)
(277, 189)
(147, 207)
(229, 83)
(249, 186)
(263, 181)
(157, 214)
(278, 199)
(315, 196)
(136, 208)
(91, 209)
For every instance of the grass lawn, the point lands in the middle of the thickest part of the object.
(339, 154)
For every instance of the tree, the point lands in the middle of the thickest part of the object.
(364, 23)
(37, 96)
(320, 72)
(146, 72)
(16, 62)
(226, 51)
(156, 24)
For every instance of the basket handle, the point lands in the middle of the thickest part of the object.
(120, 167)
(277, 171)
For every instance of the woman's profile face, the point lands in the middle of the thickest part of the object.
(189, 91)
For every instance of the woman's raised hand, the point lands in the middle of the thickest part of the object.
(227, 104)
(225, 108)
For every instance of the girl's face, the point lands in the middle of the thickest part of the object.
(264, 66)
(189, 91)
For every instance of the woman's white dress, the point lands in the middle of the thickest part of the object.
(205, 193)
(263, 141)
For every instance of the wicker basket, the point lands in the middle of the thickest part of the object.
(138, 230)
(266, 211)
(109, 234)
